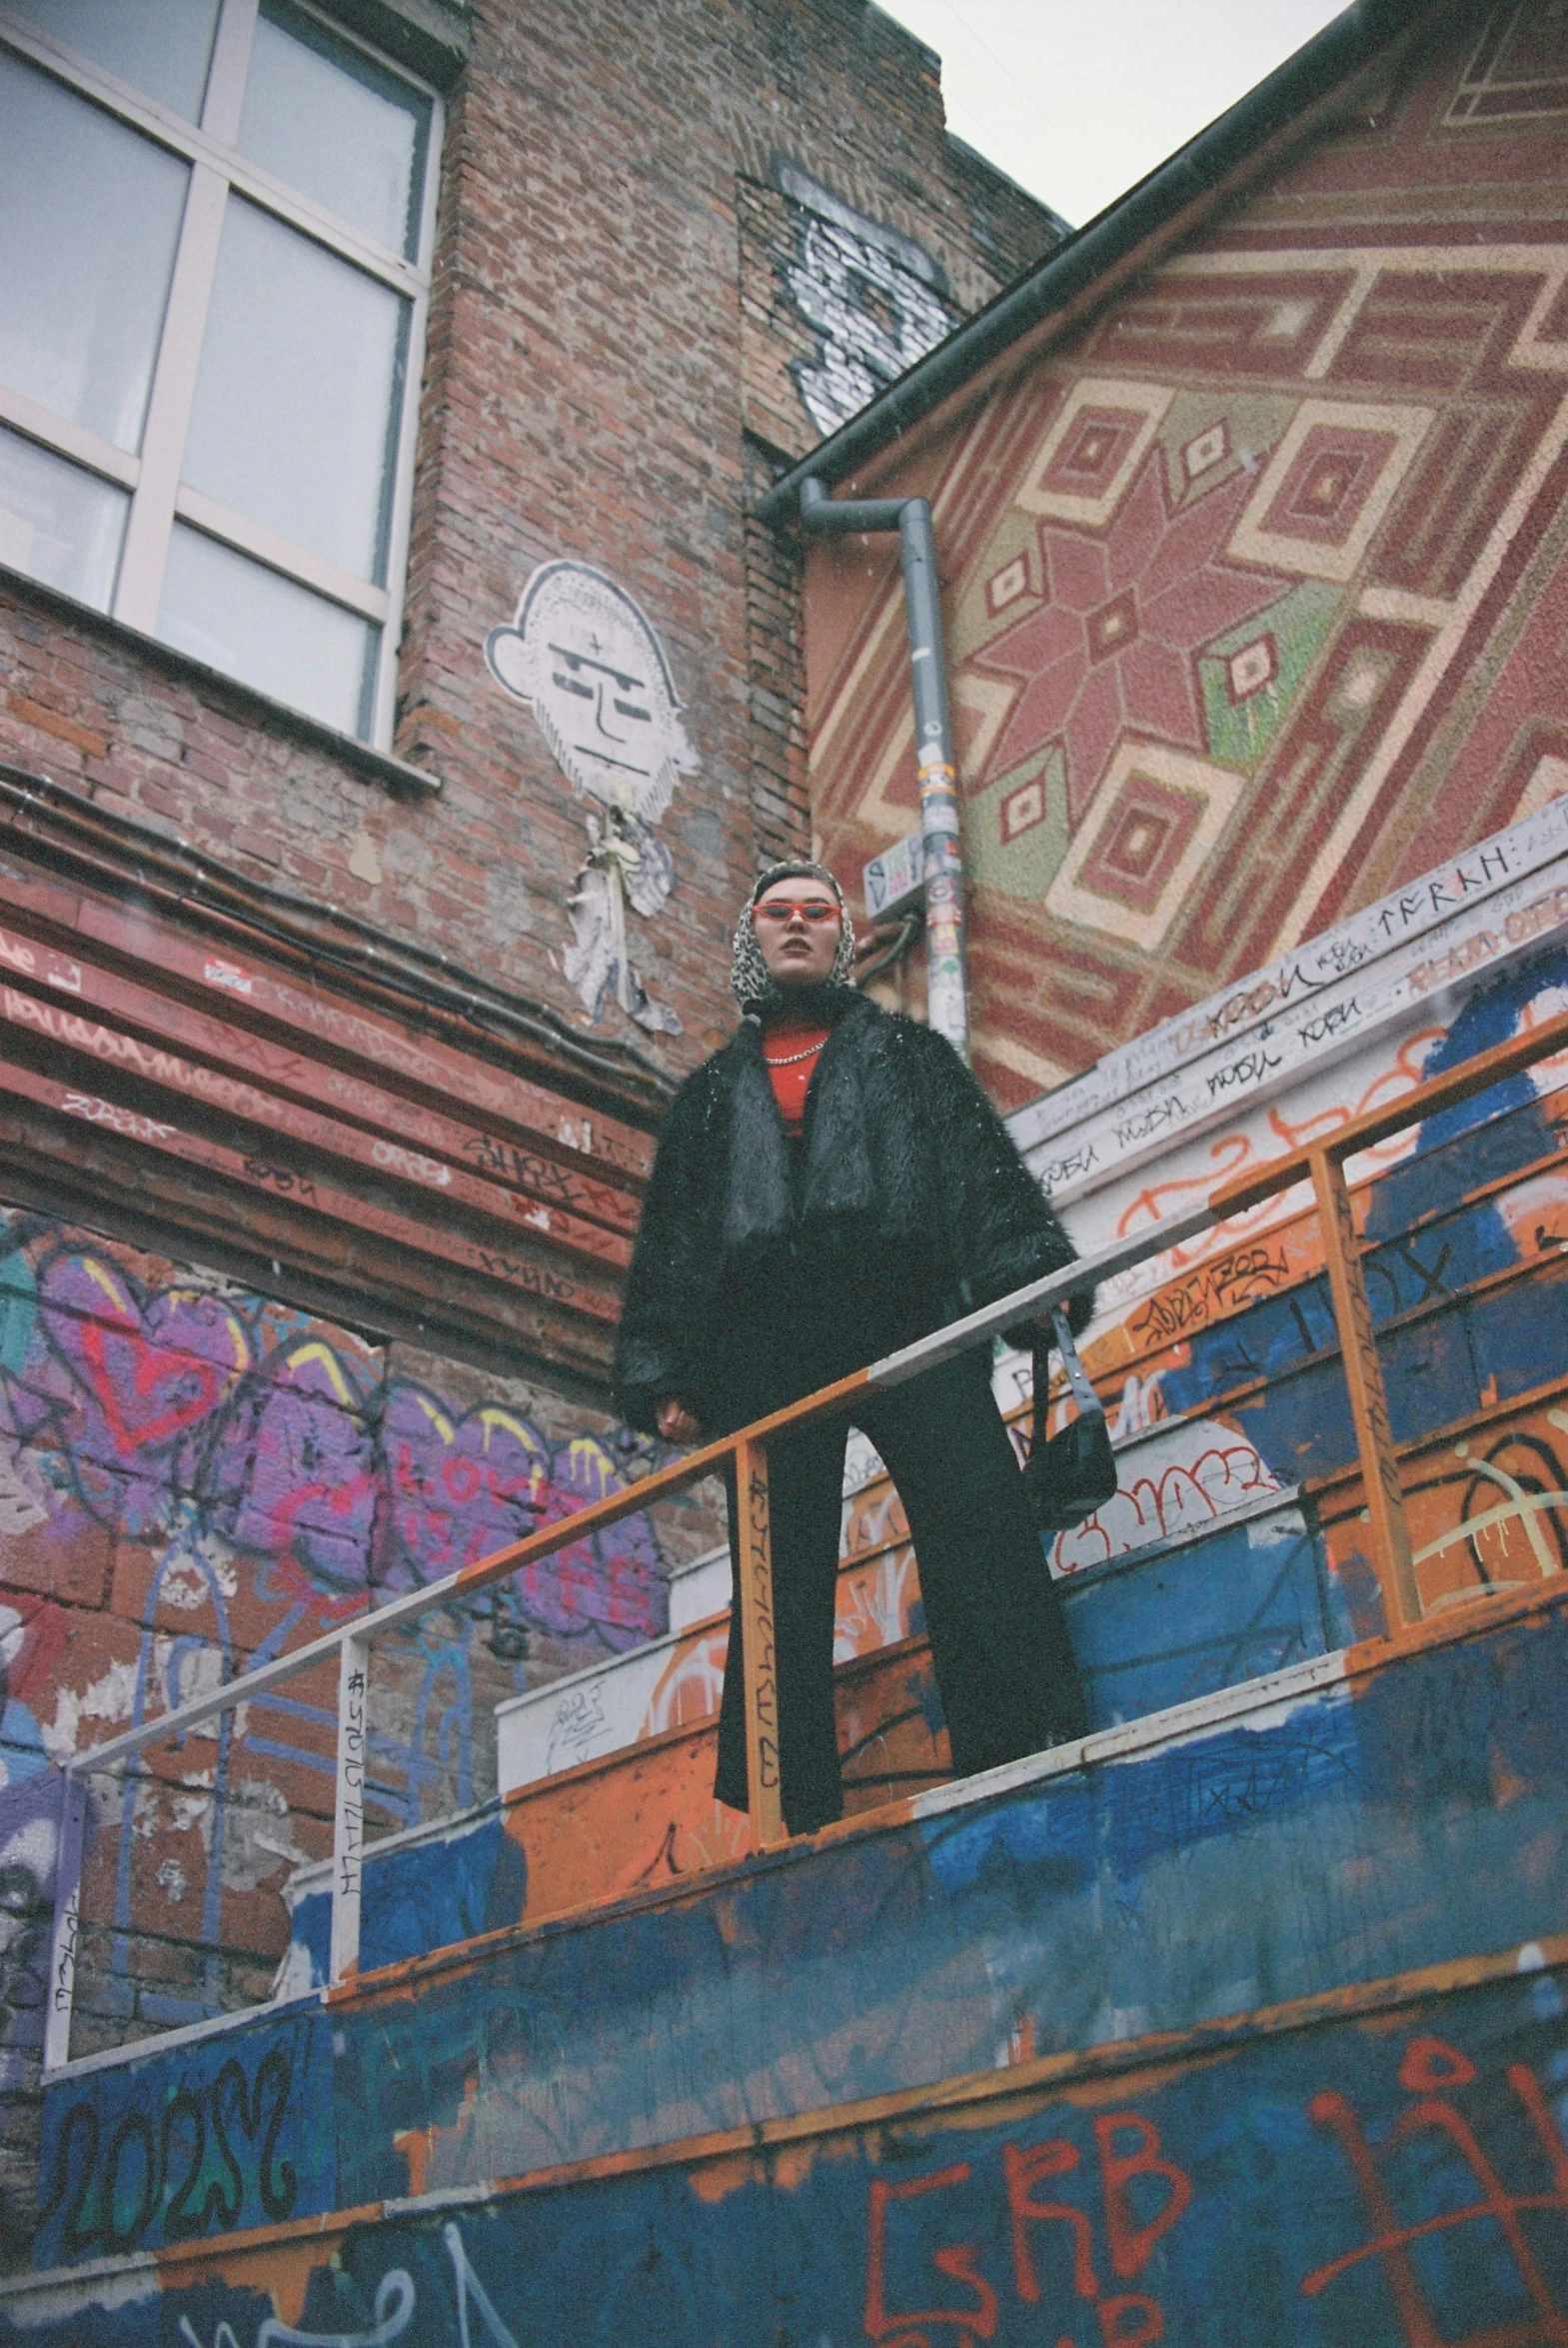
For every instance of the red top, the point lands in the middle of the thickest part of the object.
(791, 1048)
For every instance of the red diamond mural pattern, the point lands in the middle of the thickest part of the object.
(1256, 589)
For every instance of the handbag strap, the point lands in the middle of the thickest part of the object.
(1090, 1403)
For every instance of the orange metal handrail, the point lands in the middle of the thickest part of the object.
(1323, 1164)
(1320, 1163)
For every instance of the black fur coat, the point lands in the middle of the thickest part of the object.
(764, 1266)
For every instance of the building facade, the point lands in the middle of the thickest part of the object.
(394, 704)
(1252, 545)
(1238, 2019)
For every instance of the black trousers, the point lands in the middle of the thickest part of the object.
(999, 1644)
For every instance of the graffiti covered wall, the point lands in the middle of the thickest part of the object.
(1233, 1545)
(193, 1478)
(835, 305)
(1254, 587)
(1252, 1891)
(1395, 2176)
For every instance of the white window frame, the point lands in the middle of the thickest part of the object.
(153, 478)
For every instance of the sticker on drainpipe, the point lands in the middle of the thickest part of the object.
(892, 880)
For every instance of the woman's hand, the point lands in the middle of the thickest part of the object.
(677, 1424)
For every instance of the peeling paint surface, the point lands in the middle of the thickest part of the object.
(1397, 2176)
(1407, 1816)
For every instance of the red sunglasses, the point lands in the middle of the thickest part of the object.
(817, 909)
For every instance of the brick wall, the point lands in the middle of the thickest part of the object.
(288, 1044)
(195, 1474)
(588, 389)
(301, 1303)
(583, 397)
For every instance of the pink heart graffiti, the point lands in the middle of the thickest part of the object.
(281, 1436)
(461, 1487)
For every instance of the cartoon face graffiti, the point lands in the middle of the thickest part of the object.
(581, 650)
(581, 653)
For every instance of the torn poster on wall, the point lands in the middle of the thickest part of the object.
(583, 655)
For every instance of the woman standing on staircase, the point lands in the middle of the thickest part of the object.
(829, 1186)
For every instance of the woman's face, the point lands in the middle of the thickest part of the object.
(798, 951)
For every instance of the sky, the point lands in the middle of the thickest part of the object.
(1077, 99)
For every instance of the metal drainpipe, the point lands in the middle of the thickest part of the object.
(946, 985)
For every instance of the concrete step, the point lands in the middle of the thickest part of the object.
(1229, 2184)
(1180, 1482)
(1345, 1820)
(1204, 1610)
(616, 1702)
(633, 1815)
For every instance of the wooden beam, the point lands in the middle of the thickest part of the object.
(286, 1003)
(439, 1186)
(1368, 1403)
(313, 1199)
(753, 1545)
(81, 990)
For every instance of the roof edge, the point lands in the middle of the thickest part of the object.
(1343, 46)
(971, 159)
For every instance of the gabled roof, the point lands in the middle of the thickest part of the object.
(1194, 177)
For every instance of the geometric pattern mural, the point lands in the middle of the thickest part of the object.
(1328, 485)
(1155, 826)
(1256, 592)
(1109, 644)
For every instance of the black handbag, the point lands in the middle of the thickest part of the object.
(1073, 1473)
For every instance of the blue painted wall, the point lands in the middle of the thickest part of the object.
(423, 1896)
(1358, 2183)
(1243, 1601)
(1340, 1839)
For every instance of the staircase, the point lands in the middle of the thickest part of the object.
(1117, 1988)
(1243, 2020)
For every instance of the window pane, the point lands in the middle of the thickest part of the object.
(161, 47)
(58, 524)
(297, 398)
(232, 613)
(89, 214)
(337, 127)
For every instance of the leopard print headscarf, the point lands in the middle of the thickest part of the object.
(753, 989)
